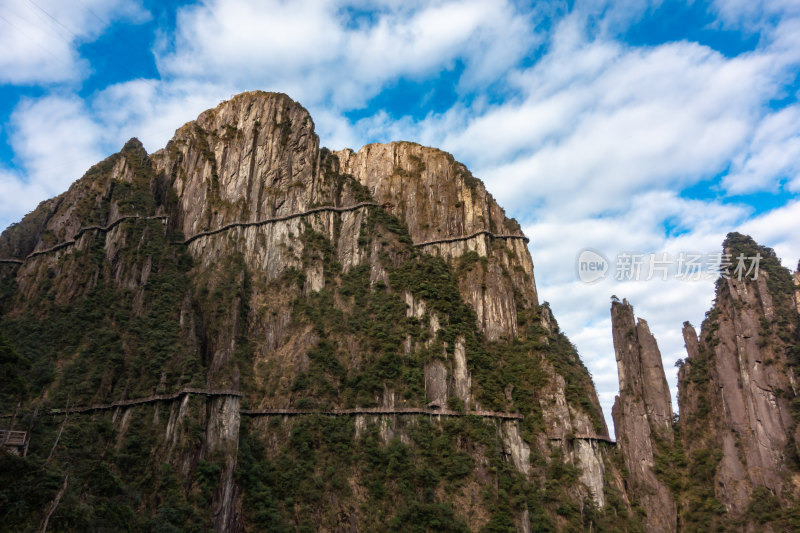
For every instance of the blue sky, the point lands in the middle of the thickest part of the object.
(645, 126)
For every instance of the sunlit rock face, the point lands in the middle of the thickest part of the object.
(734, 445)
(739, 379)
(438, 198)
(242, 257)
(642, 413)
(797, 287)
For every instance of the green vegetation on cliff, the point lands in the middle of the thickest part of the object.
(309, 313)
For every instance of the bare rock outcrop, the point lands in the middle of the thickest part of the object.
(222, 438)
(589, 457)
(250, 158)
(569, 428)
(517, 448)
(738, 379)
(244, 257)
(438, 199)
(796, 277)
(642, 413)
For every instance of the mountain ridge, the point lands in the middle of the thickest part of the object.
(730, 461)
(422, 297)
(245, 331)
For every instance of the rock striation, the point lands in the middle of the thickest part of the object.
(243, 257)
(797, 287)
(730, 461)
(642, 414)
(738, 381)
(416, 183)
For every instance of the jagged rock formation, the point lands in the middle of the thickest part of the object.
(642, 414)
(731, 462)
(738, 383)
(348, 287)
(243, 257)
(797, 287)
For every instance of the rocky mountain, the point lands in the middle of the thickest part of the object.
(642, 414)
(246, 332)
(732, 460)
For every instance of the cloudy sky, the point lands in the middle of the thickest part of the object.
(628, 127)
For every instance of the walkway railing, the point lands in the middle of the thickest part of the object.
(472, 236)
(583, 436)
(149, 399)
(12, 438)
(80, 232)
(322, 209)
(232, 225)
(380, 411)
(284, 411)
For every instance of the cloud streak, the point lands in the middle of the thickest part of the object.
(282, 45)
(39, 40)
(57, 141)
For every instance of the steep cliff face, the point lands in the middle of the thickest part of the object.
(443, 205)
(642, 414)
(731, 462)
(220, 300)
(797, 287)
(738, 385)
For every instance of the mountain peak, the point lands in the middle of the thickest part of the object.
(249, 303)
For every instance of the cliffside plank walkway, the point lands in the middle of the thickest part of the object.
(282, 411)
(71, 242)
(334, 209)
(321, 209)
(232, 225)
(380, 411)
(13, 437)
(472, 236)
(583, 436)
(148, 399)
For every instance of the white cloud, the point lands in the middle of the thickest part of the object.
(755, 15)
(772, 157)
(251, 40)
(600, 122)
(317, 53)
(38, 42)
(18, 197)
(778, 230)
(57, 142)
